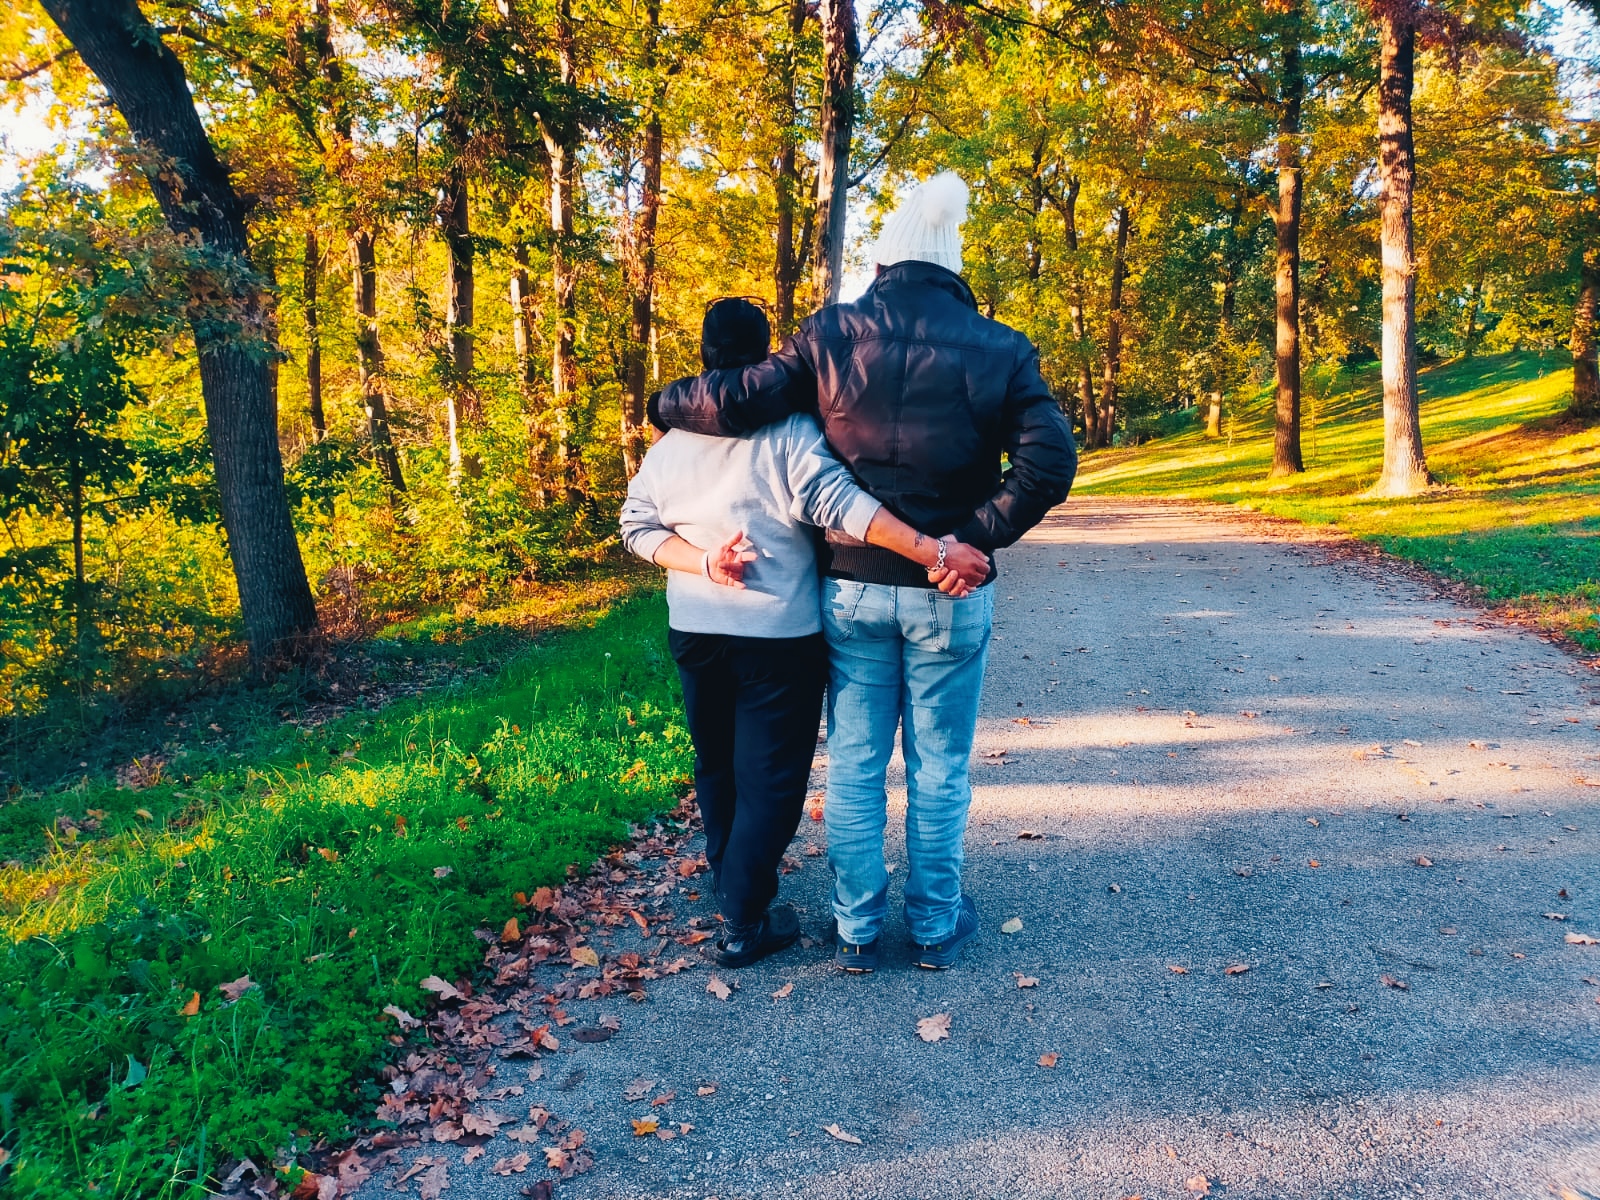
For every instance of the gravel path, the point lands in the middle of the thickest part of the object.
(1233, 749)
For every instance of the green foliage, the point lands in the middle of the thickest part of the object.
(336, 872)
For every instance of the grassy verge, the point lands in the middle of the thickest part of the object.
(1517, 512)
(336, 865)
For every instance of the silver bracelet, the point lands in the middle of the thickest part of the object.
(705, 564)
(939, 566)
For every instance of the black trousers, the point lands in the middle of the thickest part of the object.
(753, 705)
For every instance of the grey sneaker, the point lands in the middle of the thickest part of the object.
(944, 954)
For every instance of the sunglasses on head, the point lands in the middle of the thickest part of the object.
(759, 301)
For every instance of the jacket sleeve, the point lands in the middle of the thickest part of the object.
(1038, 443)
(740, 400)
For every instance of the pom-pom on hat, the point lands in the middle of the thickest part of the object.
(927, 225)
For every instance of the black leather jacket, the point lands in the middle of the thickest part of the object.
(920, 396)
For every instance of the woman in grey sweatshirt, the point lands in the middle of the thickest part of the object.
(728, 518)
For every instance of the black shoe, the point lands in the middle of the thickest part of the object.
(943, 954)
(858, 960)
(742, 945)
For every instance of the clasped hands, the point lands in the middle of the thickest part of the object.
(965, 567)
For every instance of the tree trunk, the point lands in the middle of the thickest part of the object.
(1108, 385)
(560, 134)
(1474, 302)
(1085, 351)
(1585, 369)
(1230, 294)
(146, 83)
(841, 49)
(1405, 470)
(364, 291)
(313, 276)
(641, 262)
(460, 284)
(522, 316)
(1286, 458)
(787, 260)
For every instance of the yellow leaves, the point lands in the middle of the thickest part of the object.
(191, 1006)
(935, 1028)
(645, 1127)
(584, 956)
(511, 931)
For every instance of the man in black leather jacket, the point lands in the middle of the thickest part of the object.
(922, 397)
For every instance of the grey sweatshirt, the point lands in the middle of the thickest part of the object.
(705, 489)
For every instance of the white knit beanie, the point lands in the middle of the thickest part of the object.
(927, 225)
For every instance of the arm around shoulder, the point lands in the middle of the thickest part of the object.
(740, 400)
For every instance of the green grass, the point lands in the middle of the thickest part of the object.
(1516, 513)
(336, 867)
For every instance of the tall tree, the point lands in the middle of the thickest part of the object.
(311, 263)
(1113, 363)
(460, 280)
(1286, 458)
(791, 251)
(1585, 340)
(561, 133)
(147, 84)
(1405, 468)
(841, 51)
(639, 246)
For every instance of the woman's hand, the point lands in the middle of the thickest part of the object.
(965, 568)
(725, 565)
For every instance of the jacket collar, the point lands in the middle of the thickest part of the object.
(916, 273)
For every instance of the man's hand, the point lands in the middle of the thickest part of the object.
(969, 564)
(726, 564)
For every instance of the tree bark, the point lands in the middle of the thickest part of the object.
(787, 260)
(641, 261)
(364, 291)
(313, 277)
(522, 316)
(1113, 365)
(146, 83)
(460, 284)
(1585, 368)
(1405, 469)
(841, 50)
(1230, 295)
(1085, 351)
(1286, 458)
(560, 135)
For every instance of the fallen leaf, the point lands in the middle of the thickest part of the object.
(1178, 970)
(473, 1154)
(834, 1131)
(191, 1006)
(1029, 835)
(685, 1128)
(1555, 916)
(638, 1089)
(590, 1036)
(695, 937)
(445, 990)
(1248, 715)
(585, 956)
(404, 1019)
(1399, 985)
(644, 1127)
(442, 872)
(515, 1165)
(232, 991)
(1049, 1060)
(1314, 863)
(1014, 925)
(1025, 981)
(1582, 939)
(709, 1089)
(555, 1158)
(1313, 821)
(614, 1024)
(527, 1134)
(784, 992)
(433, 1182)
(934, 1028)
(664, 1098)
(1198, 1185)
(511, 931)
(544, 899)
(1237, 969)
(688, 867)
(718, 989)
(666, 1135)
(484, 1123)
(1422, 860)
(446, 1131)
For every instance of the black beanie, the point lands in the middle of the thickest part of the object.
(735, 333)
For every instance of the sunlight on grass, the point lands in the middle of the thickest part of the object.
(1516, 512)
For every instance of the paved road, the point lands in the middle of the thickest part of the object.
(1236, 749)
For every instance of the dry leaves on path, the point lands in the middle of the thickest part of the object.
(1399, 985)
(709, 1089)
(404, 1019)
(935, 1028)
(1198, 1185)
(835, 1132)
(784, 992)
(638, 1089)
(1178, 970)
(1422, 860)
(1014, 925)
(718, 989)
(645, 1127)
(1025, 981)
(1237, 969)
(446, 991)
(232, 991)
(1582, 939)
(516, 1164)
(1049, 1059)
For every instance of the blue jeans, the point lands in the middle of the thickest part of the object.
(913, 659)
